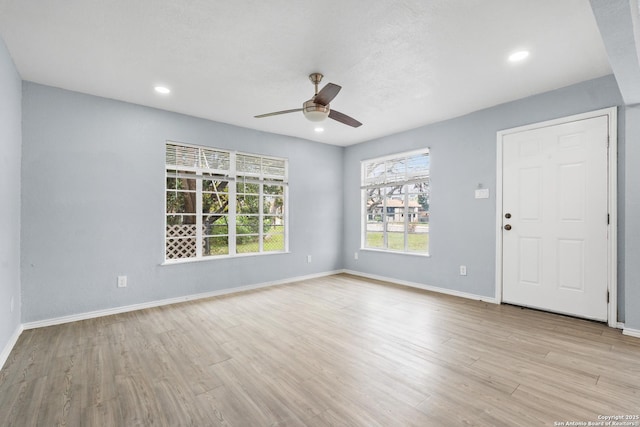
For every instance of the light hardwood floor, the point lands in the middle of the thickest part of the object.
(338, 350)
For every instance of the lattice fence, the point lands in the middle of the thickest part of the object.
(181, 241)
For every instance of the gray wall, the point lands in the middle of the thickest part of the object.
(463, 155)
(93, 184)
(632, 218)
(10, 146)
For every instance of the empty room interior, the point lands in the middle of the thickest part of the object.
(220, 213)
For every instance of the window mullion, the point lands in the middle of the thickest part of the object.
(364, 215)
(405, 189)
(260, 218)
(232, 205)
(199, 216)
(385, 220)
(285, 216)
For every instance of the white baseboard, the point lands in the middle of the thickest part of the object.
(631, 332)
(7, 348)
(158, 303)
(452, 292)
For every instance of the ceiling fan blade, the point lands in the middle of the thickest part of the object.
(343, 118)
(275, 113)
(326, 94)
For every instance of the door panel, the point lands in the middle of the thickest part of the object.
(555, 190)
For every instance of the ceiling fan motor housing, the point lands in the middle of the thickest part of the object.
(315, 112)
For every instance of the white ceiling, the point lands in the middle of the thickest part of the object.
(401, 63)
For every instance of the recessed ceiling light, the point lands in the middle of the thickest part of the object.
(518, 56)
(319, 129)
(162, 89)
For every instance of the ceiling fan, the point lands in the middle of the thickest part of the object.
(317, 108)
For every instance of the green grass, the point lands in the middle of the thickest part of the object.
(417, 242)
(272, 243)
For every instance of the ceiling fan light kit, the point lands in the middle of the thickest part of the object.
(317, 108)
(315, 112)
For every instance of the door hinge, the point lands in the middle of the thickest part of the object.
(607, 297)
(608, 219)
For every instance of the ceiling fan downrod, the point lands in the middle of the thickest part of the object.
(316, 78)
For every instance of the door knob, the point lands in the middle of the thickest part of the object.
(507, 227)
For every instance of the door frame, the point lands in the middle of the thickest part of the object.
(612, 200)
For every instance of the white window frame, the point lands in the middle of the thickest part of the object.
(232, 175)
(387, 182)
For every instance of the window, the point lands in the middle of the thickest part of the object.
(223, 203)
(395, 202)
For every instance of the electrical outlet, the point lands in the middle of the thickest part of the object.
(463, 270)
(309, 259)
(122, 281)
(482, 193)
(355, 255)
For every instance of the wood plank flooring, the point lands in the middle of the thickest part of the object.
(339, 350)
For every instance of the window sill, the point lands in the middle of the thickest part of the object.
(383, 251)
(214, 258)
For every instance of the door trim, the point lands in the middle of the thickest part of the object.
(612, 197)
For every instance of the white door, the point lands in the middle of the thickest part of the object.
(555, 218)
